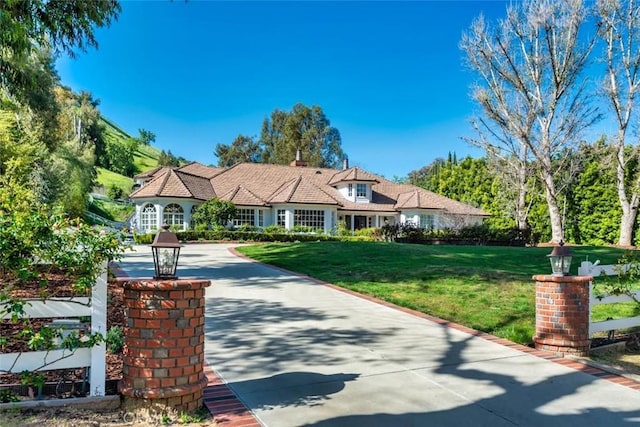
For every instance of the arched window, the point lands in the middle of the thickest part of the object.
(173, 215)
(148, 218)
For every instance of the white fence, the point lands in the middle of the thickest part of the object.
(595, 269)
(94, 357)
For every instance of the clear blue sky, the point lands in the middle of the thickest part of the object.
(388, 75)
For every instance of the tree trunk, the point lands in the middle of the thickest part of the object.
(629, 207)
(555, 217)
(627, 222)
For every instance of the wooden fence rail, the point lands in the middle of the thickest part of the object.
(595, 269)
(94, 358)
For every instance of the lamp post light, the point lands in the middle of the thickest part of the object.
(165, 249)
(560, 258)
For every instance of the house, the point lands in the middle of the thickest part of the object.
(290, 196)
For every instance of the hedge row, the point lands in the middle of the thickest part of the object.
(248, 236)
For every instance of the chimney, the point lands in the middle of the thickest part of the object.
(298, 161)
(345, 163)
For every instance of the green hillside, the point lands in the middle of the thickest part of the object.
(145, 158)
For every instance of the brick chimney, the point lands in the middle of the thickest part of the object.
(298, 162)
(345, 163)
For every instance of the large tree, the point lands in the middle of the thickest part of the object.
(29, 26)
(619, 28)
(242, 149)
(284, 133)
(531, 89)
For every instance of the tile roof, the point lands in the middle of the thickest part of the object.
(303, 190)
(199, 169)
(242, 196)
(175, 183)
(257, 184)
(353, 174)
(153, 172)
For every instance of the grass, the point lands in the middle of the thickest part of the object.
(106, 179)
(485, 288)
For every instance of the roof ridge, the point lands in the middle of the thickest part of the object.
(251, 192)
(295, 187)
(164, 181)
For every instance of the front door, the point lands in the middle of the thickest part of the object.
(359, 221)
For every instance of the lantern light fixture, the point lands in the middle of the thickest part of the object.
(165, 249)
(560, 258)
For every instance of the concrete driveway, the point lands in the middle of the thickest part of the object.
(299, 353)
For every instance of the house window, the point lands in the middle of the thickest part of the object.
(427, 222)
(309, 218)
(260, 218)
(361, 190)
(350, 190)
(244, 216)
(173, 215)
(281, 218)
(148, 218)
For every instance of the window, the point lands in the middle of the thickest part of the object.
(427, 222)
(148, 219)
(173, 215)
(281, 218)
(350, 190)
(309, 218)
(361, 190)
(244, 216)
(260, 218)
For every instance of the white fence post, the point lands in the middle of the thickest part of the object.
(99, 325)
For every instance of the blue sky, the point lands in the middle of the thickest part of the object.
(388, 75)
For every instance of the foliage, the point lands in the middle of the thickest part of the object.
(36, 239)
(303, 128)
(7, 396)
(120, 156)
(532, 91)
(628, 279)
(242, 149)
(146, 137)
(215, 212)
(115, 192)
(168, 159)
(31, 25)
(115, 339)
(274, 229)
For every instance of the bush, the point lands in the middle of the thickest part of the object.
(115, 192)
(274, 229)
(115, 339)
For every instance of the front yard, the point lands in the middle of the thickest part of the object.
(483, 287)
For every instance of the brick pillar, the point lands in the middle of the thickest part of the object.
(562, 314)
(164, 344)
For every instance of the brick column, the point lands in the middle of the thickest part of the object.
(562, 314)
(164, 344)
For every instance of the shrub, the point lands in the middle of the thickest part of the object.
(115, 339)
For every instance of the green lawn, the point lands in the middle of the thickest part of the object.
(106, 179)
(483, 287)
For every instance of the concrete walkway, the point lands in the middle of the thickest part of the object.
(299, 353)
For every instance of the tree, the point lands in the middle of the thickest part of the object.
(619, 29)
(242, 149)
(531, 89)
(306, 129)
(146, 136)
(28, 27)
(214, 212)
(168, 159)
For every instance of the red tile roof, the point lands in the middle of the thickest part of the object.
(256, 184)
